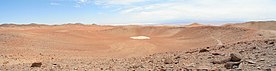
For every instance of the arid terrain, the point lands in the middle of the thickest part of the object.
(249, 46)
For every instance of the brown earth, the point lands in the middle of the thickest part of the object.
(93, 47)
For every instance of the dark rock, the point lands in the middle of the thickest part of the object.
(217, 53)
(36, 64)
(267, 70)
(177, 57)
(271, 43)
(203, 50)
(231, 65)
(168, 61)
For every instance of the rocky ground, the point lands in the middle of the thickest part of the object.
(255, 55)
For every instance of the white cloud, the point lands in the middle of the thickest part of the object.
(109, 2)
(82, 1)
(117, 2)
(204, 10)
(53, 3)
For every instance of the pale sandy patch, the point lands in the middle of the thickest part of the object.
(140, 37)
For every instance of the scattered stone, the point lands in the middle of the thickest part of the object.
(231, 65)
(36, 64)
(217, 53)
(177, 57)
(268, 69)
(54, 64)
(203, 50)
(250, 61)
(235, 57)
(271, 43)
(259, 68)
(262, 59)
(75, 68)
(168, 61)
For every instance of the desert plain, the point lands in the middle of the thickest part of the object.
(248, 46)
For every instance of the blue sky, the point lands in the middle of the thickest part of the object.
(135, 11)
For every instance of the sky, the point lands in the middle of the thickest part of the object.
(135, 11)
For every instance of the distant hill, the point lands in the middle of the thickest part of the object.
(194, 25)
(260, 25)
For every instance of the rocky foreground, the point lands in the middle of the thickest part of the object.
(256, 55)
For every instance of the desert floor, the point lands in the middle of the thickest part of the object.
(243, 46)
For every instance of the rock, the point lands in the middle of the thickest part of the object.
(269, 42)
(262, 59)
(168, 61)
(54, 64)
(36, 64)
(203, 50)
(75, 68)
(235, 57)
(231, 65)
(177, 57)
(250, 61)
(241, 66)
(259, 68)
(268, 69)
(217, 53)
